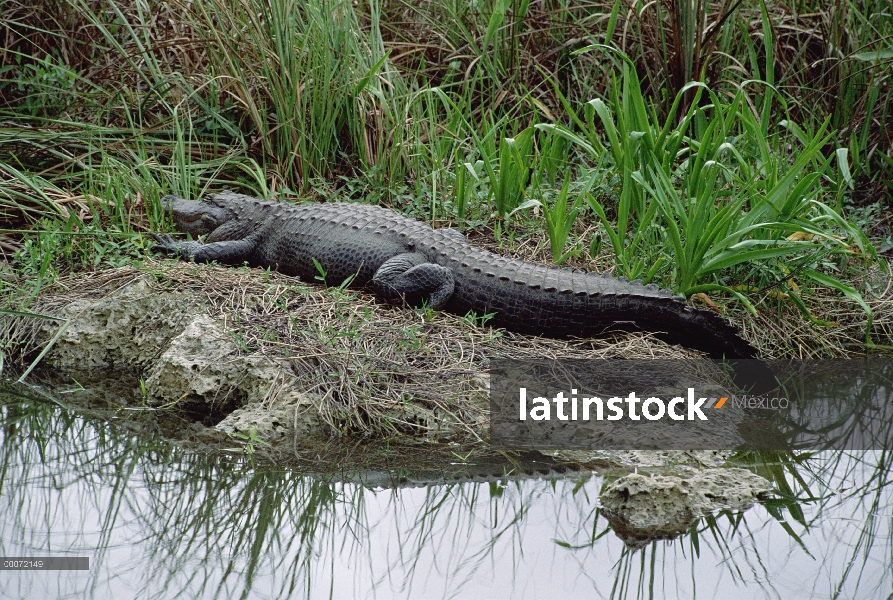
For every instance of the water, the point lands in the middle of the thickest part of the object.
(160, 521)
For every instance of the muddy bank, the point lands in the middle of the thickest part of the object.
(266, 356)
(249, 361)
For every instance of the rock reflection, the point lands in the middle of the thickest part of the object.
(159, 522)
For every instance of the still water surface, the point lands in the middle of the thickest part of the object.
(157, 521)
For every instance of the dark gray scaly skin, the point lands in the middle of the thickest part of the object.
(407, 260)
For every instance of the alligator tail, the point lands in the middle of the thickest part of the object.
(677, 323)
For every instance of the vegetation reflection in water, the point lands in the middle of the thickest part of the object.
(158, 521)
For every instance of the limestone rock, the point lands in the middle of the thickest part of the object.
(127, 328)
(185, 356)
(273, 426)
(204, 364)
(641, 508)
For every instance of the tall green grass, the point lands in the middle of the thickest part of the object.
(714, 189)
(732, 171)
(299, 71)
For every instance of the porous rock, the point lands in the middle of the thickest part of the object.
(678, 459)
(272, 425)
(642, 508)
(126, 329)
(186, 358)
(204, 364)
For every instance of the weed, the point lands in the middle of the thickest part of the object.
(319, 268)
(239, 335)
(560, 220)
(46, 86)
(250, 441)
(463, 458)
(478, 320)
(144, 392)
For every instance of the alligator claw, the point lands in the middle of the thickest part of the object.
(166, 244)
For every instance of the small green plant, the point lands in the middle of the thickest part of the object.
(319, 269)
(47, 86)
(413, 338)
(508, 181)
(250, 441)
(428, 313)
(553, 157)
(239, 335)
(78, 387)
(466, 179)
(560, 220)
(463, 458)
(343, 285)
(595, 246)
(270, 334)
(478, 320)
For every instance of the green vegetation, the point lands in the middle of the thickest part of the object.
(736, 149)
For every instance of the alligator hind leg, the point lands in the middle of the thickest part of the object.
(411, 278)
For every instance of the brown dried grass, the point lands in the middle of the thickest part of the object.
(381, 369)
(376, 369)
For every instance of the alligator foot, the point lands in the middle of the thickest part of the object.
(228, 252)
(410, 278)
(166, 244)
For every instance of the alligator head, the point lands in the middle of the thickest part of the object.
(196, 217)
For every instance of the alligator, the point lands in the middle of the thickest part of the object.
(407, 261)
(482, 469)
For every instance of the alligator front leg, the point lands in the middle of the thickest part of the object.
(231, 252)
(411, 278)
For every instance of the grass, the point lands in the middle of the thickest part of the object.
(732, 151)
(372, 369)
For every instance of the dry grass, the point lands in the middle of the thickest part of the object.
(62, 30)
(382, 369)
(780, 331)
(376, 369)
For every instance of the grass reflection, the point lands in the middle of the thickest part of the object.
(157, 521)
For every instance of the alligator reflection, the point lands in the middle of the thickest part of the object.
(159, 522)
